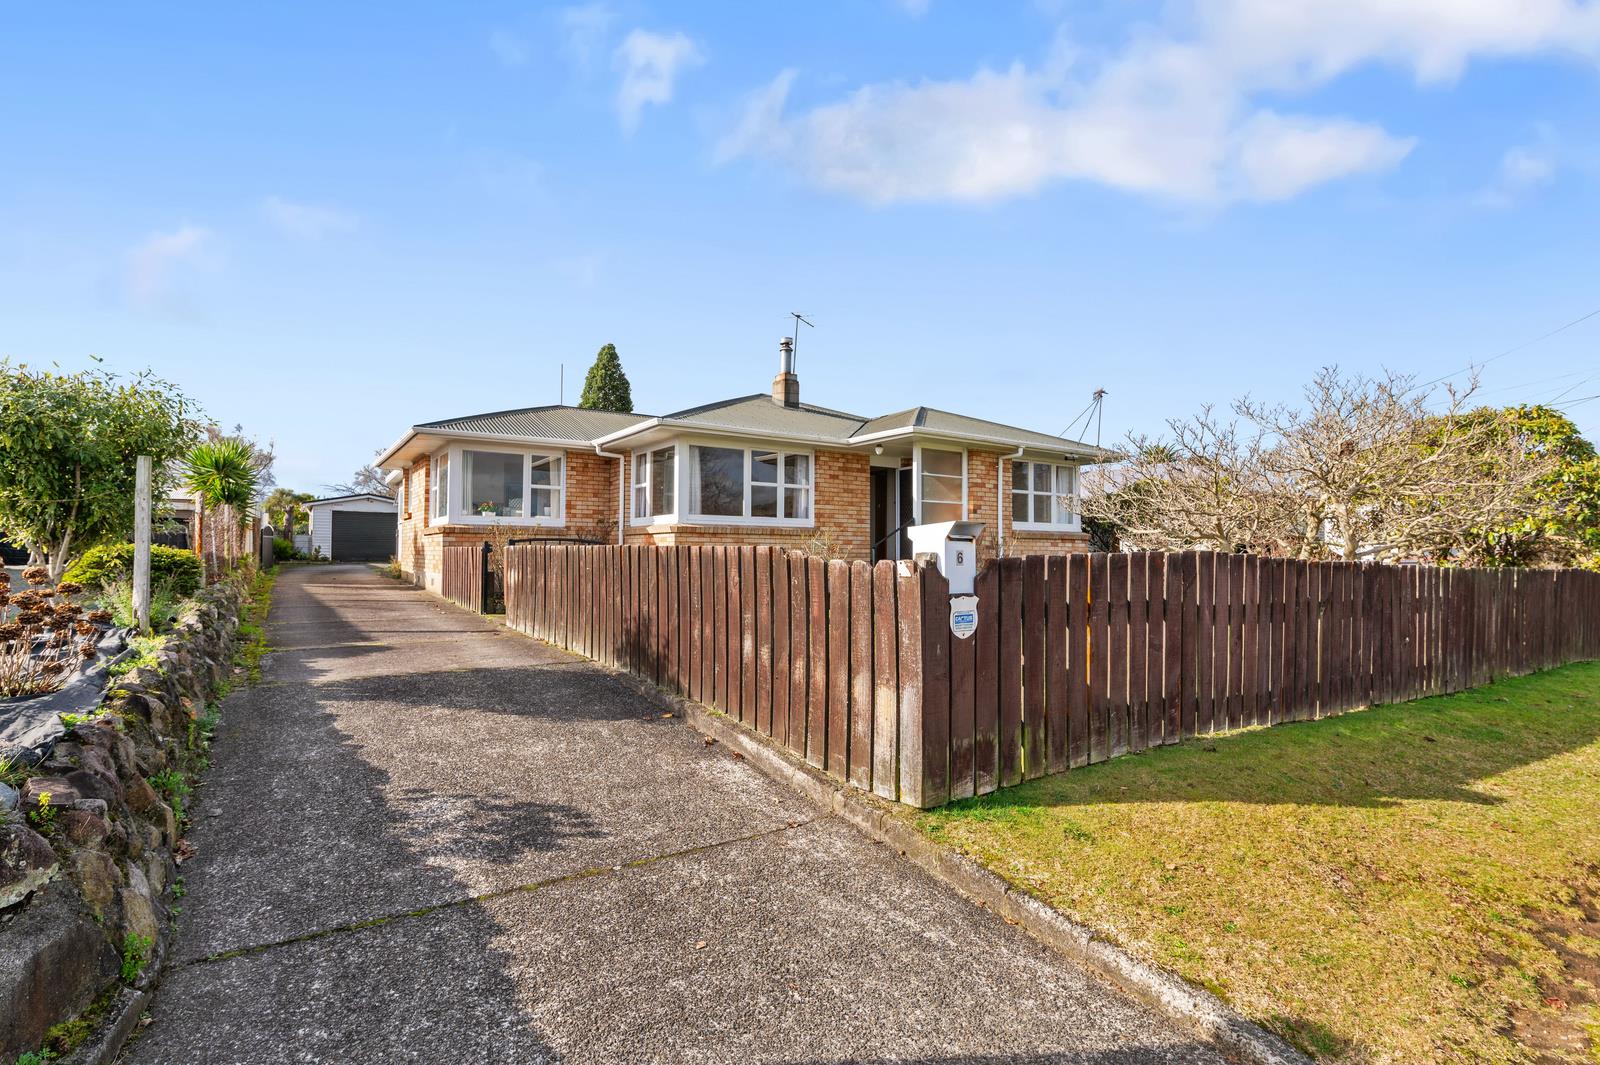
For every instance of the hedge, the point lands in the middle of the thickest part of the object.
(179, 569)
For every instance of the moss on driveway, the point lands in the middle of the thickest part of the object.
(1416, 882)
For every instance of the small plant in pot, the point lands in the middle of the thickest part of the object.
(43, 634)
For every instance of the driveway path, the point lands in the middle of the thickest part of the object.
(426, 839)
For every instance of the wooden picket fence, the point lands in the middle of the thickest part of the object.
(461, 579)
(1075, 660)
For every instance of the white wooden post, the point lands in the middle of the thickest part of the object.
(141, 543)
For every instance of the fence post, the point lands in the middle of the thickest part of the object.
(141, 542)
(484, 573)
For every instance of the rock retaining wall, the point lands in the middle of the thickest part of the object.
(76, 884)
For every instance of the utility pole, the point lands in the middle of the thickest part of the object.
(141, 543)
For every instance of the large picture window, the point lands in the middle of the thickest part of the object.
(1042, 495)
(654, 480)
(718, 481)
(943, 485)
(492, 481)
(753, 484)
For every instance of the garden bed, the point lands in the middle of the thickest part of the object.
(1417, 882)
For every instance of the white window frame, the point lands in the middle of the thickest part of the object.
(644, 482)
(687, 516)
(916, 478)
(437, 514)
(458, 513)
(1073, 522)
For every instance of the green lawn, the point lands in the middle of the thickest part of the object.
(1410, 883)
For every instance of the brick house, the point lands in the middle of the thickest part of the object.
(757, 469)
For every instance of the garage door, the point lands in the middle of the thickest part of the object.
(363, 537)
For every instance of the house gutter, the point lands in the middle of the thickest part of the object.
(622, 490)
(999, 498)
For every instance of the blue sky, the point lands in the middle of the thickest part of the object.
(328, 222)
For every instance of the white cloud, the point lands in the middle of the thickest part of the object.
(1523, 171)
(153, 267)
(914, 8)
(1177, 113)
(306, 221)
(585, 27)
(510, 49)
(650, 64)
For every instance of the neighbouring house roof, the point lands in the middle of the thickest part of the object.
(372, 497)
(754, 415)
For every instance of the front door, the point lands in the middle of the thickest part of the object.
(892, 507)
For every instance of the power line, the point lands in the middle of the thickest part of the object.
(1511, 350)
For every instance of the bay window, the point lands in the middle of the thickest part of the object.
(1043, 494)
(485, 485)
(654, 478)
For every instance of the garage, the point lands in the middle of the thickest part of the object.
(354, 528)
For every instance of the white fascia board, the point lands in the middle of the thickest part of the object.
(450, 435)
(919, 433)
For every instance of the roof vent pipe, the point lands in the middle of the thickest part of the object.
(786, 386)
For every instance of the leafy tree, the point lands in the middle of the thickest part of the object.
(1563, 526)
(284, 510)
(222, 473)
(67, 448)
(606, 387)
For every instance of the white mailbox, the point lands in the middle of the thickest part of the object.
(953, 546)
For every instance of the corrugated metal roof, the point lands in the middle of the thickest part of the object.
(960, 425)
(553, 422)
(759, 414)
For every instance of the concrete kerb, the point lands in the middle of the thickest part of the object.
(1195, 1009)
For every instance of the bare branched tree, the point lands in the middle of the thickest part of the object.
(1364, 468)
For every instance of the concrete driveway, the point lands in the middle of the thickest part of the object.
(426, 839)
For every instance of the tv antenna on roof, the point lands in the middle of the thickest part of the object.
(799, 320)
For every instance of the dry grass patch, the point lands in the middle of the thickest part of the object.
(1410, 883)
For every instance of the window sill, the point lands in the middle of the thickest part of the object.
(1031, 529)
(667, 524)
(464, 525)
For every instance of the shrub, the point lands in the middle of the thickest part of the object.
(116, 598)
(179, 569)
(283, 550)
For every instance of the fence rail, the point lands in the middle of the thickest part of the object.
(1075, 659)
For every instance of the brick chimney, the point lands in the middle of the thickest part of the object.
(786, 386)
